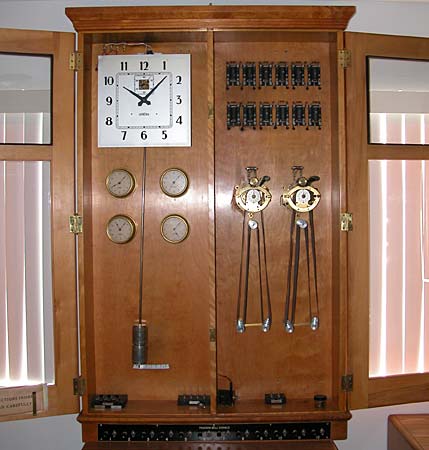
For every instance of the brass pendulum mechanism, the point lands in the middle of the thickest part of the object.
(252, 198)
(301, 197)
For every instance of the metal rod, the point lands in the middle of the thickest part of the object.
(289, 270)
(264, 247)
(246, 282)
(142, 235)
(241, 269)
(296, 272)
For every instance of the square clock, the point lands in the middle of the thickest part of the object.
(144, 100)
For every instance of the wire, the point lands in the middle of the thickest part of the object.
(224, 376)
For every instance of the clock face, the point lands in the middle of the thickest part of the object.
(144, 100)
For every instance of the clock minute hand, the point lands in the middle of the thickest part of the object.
(144, 99)
(140, 97)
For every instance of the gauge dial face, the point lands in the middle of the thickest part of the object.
(253, 196)
(121, 229)
(174, 182)
(303, 196)
(120, 183)
(174, 228)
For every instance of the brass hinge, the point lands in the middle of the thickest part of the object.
(211, 111)
(344, 58)
(212, 334)
(76, 224)
(75, 61)
(79, 386)
(346, 220)
(347, 383)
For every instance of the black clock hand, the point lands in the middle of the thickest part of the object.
(120, 181)
(140, 97)
(144, 99)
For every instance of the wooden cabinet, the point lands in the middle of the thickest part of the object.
(408, 432)
(190, 290)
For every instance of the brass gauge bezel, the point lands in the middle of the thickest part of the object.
(165, 190)
(288, 198)
(131, 223)
(241, 193)
(130, 177)
(182, 220)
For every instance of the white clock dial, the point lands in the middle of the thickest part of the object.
(144, 100)
(174, 182)
(120, 183)
(174, 228)
(303, 196)
(120, 229)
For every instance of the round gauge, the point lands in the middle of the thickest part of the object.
(174, 228)
(303, 196)
(174, 182)
(120, 183)
(120, 229)
(253, 196)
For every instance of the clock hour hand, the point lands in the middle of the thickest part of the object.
(140, 97)
(144, 99)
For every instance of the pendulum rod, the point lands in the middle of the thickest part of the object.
(142, 235)
(246, 274)
(140, 331)
(265, 266)
(240, 285)
(313, 250)
(307, 253)
(295, 271)
(289, 270)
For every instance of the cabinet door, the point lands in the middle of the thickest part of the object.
(38, 331)
(387, 157)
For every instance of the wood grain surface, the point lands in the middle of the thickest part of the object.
(94, 19)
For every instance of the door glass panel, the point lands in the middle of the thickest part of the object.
(399, 267)
(26, 309)
(25, 99)
(398, 101)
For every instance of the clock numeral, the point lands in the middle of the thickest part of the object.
(109, 121)
(179, 120)
(124, 65)
(164, 135)
(164, 65)
(109, 100)
(124, 134)
(178, 99)
(179, 79)
(108, 81)
(143, 135)
(144, 65)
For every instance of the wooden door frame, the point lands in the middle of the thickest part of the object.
(394, 389)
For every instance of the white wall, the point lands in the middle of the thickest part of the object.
(367, 428)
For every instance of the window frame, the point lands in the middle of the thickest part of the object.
(397, 389)
(61, 154)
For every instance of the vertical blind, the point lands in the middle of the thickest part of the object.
(399, 267)
(26, 315)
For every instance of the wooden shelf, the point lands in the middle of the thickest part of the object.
(309, 445)
(408, 432)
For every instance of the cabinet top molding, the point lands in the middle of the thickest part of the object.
(143, 18)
